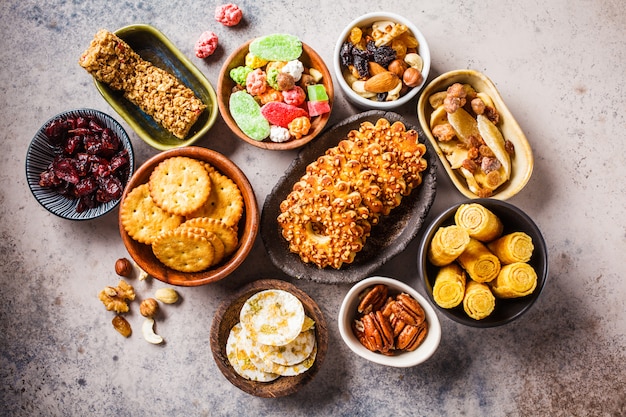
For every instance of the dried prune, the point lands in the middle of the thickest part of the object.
(345, 53)
(90, 165)
(361, 65)
(382, 55)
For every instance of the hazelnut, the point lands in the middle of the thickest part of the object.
(412, 77)
(397, 66)
(123, 267)
(149, 307)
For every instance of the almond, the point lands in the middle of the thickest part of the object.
(375, 68)
(381, 83)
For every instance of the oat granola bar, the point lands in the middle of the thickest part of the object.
(158, 93)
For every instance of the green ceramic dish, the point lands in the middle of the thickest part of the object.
(154, 47)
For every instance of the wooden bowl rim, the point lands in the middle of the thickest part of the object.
(225, 84)
(248, 225)
(227, 315)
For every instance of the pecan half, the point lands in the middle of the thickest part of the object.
(373, 300)
(408, 310)
(411, 336)
(377, 332)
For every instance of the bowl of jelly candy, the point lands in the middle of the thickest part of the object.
(381, 61)
(275, 92)
(78, 164)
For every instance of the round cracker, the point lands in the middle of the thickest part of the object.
(239, 359)
(227, 234)
(184, 250)
(295, 369)
(142, 219)
(225, 201)
(218, 245)
(292, 353)
(180, 185)
(272, 317)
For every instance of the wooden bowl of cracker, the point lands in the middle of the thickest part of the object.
(188, 216)
(263, 364)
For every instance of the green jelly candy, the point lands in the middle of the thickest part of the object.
(272, 78)
(239, 74)
(317, 92)
(247, 114)
(277, 47)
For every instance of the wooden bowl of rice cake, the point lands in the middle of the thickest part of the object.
(267, 351)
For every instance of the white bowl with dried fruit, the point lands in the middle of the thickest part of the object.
(388, 322)
(381, 61)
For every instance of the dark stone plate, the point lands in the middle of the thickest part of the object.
(390, 237)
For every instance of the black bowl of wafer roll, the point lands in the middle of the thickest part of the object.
(483, 262)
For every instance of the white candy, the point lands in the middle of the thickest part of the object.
(279, 134)
(295, 68)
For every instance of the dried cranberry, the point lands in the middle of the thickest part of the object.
(82, 122)
(64, 169)
(85, 203)
(92, 144)
(48, 179)
(120, 160)
(94, 125)
(72, 145)
(110, 188)
(90, 165)
(110, 143)
(82, 164)
(85, 186)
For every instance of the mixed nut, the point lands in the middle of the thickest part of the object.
(117, 299)
(389, 323)
(380, 62)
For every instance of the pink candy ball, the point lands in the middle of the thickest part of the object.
(228, 14)
(206, 44)
(295, 96)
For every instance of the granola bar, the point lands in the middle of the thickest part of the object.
(158, 93)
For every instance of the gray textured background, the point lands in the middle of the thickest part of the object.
(559, 66)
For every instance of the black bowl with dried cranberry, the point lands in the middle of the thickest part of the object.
(78, 164)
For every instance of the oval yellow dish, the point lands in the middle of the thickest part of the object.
(157, 49)
(521, 165)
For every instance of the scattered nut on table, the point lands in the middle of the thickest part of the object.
(148, 332)
(116, 298)
(149, 307)
(166, 295)
(123, 267)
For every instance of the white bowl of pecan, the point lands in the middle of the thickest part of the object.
(388, 322)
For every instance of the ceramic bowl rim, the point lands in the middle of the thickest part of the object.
(424, 52)
(347, 312)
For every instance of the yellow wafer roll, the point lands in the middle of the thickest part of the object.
(480, 222)
(518, 279)
(481, 265)
(478, 301)
(449, 287)
(514, 247)
(447, 244)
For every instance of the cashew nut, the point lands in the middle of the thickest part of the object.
(415, 61)
(359, 88)
(148, 332)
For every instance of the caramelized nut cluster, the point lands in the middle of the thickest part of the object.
(388, 324)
